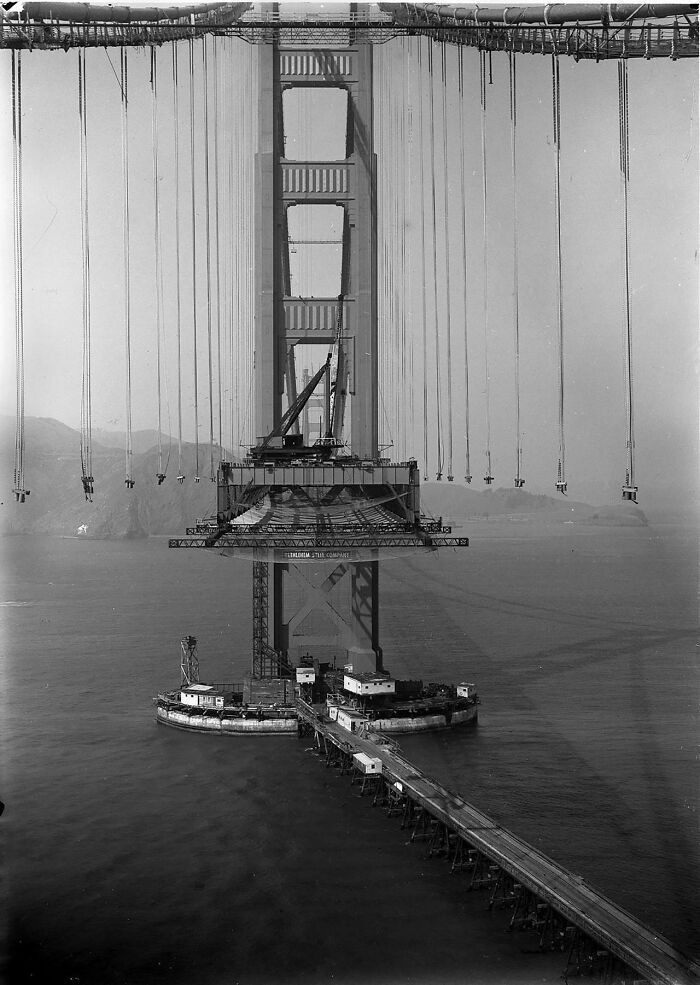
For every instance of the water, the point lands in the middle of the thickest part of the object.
(137, 854)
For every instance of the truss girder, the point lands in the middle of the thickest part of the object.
(636, 38)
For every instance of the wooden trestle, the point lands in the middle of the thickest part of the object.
(559, 906)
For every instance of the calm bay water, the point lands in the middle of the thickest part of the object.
(137, 854)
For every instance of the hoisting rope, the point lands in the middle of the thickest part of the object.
(450, 473)
(438, 387)
(518, 481)
(463, 209)
(124, 82)
(178, 302)
(194, 262)
(160, 475)
(20, 492)
(629, 490)
(561, 466)
(207, 236)
(85, 394)
(488, 478)
(421, 145)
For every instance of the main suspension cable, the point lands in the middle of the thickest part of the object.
(463, 210)
(124, 82)
(160, 475)
(629, 490)
(556, 114)
(178, 300)
(438, 388)
(488, 478)
(518, 481)
(85, 394)
(19, 491)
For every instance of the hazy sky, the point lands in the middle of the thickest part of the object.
(663, 228)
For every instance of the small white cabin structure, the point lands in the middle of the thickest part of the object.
(350, 720)
(367, 764)
(201, 696)
(466, 690)
(367, 685)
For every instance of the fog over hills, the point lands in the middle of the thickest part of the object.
(57, 504)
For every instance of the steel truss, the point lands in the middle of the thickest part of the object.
(326, 542)
(588, 41)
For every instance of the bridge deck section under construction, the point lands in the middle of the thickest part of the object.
(617, 931)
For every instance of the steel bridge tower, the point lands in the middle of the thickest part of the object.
(283, 322)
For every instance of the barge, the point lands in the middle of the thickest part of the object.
(358, 702)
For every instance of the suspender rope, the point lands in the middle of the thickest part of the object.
(463, 209)
(160, 475)
(421, 145)
(20, 492)
(519, 481)
(438, 388)
(207, 236)
(381, 254)
(124, 81)
(217, 241)
(561, 466)
(194, 263)
(408, 184)
(85, 396)
(488, 478)
(450, 473)
(176, 126)
(629, 490)
(397, 283)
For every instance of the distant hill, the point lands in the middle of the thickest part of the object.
(57, 504)
(455, 501)
(459, 503)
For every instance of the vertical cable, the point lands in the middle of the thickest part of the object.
(518, 481)
(124, 81)
(178, 300)
(20, 492)
(194, 260)
(463, 209)
(217, 243)
(629, 490)
(433, 213)
(556, 114)
(421, 145)
(448, 327)
(207, 236)
(86, 392)
(408, 185)
(157, 250)
(488, 478)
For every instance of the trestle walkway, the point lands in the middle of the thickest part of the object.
(558, 905)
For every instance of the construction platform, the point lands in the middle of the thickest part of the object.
(543, 894)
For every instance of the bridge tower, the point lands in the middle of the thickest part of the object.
(283, 322)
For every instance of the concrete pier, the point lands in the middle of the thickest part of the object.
(542, 893)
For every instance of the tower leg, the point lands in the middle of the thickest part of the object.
(366, 653)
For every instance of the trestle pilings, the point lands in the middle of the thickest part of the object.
(552, 930)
